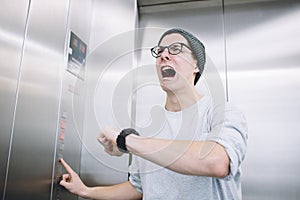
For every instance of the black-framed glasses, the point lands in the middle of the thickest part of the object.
(173, 49)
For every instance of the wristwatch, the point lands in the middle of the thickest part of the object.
(121, 141)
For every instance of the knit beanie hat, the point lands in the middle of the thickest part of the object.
(197, 48)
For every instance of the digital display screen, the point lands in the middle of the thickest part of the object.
(76, 56)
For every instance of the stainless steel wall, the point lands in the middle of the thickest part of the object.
(72, 100)
(110, 59)
(34, 131)
(13, 17)
(257, 42)
(36, 93)
(263, 54)
(43, 107)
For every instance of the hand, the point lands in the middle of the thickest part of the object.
(71, 181)
(108, 138)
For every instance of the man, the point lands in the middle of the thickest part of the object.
(196, 154)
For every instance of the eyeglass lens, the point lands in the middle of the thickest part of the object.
(173, 49)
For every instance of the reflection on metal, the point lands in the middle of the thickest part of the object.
(107, 65)
(263, 69)
(71, 110)
(12, 29)
(31, 155)
(31, 83)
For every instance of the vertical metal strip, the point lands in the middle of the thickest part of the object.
(16, 99)
(85, 75)
(67, 35)
(135, 65)
(225, 49)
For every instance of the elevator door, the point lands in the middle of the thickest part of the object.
(13, 15)
(30, 162)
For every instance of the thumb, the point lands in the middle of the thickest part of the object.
(63, 183)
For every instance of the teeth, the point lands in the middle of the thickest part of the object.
(166, 68)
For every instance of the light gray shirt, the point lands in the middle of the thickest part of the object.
(202, 121)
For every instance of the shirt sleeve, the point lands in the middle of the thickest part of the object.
(229, 129)
(134, 175)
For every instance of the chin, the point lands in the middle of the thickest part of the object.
(164, 86)
(168, 87)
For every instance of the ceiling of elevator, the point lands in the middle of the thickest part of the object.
(146, 6)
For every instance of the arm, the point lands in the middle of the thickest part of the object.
(200, 158)
(121, 191)
(73, 183)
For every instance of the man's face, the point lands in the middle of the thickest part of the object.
(175, 72)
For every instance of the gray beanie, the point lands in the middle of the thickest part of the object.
(197, 48)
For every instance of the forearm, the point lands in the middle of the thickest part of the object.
(121, 191)
(201, 158)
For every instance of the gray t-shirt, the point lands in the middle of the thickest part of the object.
(202, 121)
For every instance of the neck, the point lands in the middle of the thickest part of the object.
(177, 101)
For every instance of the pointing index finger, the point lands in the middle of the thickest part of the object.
(66, 166)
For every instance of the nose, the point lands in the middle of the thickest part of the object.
(165, 54)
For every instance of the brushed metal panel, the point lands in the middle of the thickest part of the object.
(13, 16)
(69, 147)
(32, 152)
(105, 70)
(263, 74)
(72, 101)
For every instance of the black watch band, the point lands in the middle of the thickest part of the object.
(121, 141)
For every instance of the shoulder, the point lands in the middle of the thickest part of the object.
(225, 112)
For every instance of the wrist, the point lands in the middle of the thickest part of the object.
(130, 141)
(85, 192)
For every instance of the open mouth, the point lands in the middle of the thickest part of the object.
(167, 71)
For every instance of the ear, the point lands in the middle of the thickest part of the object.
(196, 69)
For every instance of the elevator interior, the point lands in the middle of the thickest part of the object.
(50, 110)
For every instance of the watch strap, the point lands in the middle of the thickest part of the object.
(121, 139)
